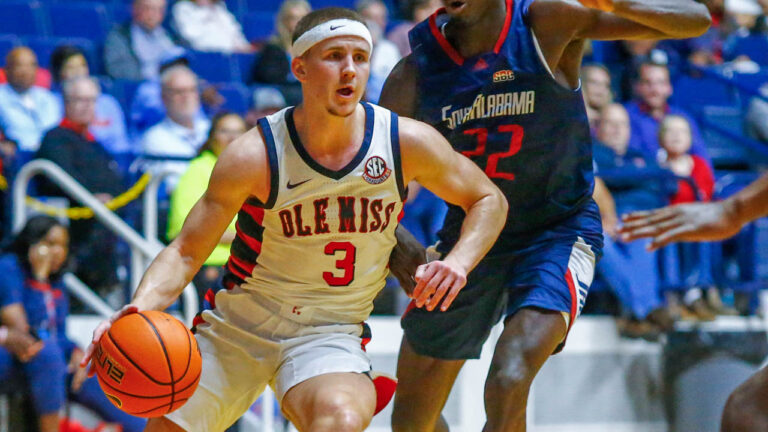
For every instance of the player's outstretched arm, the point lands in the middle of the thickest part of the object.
(620, 19)
(429, 159)
(699, 221)
(241, 171)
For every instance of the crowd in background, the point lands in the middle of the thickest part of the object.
(141, 102)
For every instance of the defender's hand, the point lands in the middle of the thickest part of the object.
(407, 255)
(436, 280)
(603, 5)
(22, 345)
(102, 328)
(685, 222)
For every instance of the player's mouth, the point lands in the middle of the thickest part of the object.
(346, 91)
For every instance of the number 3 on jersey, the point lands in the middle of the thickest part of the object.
(491, 167)
(346, 263)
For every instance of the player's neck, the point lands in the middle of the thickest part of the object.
(330, 140)
(480, 36)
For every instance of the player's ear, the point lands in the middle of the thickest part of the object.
(299, 69)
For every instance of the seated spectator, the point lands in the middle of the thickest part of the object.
(74, 149)
(176, 139)
(108, 125)
(636, 182)
(419, 11)
(32, 269)
(42, 78)
(133, 50)
(207, 25)
(385, 54)
(8, 151)
(26, 111)
(757, 116)
(688, 266)
(596, 83)
(225, 128)
(749, 41)
(653, 89)
(266, 101)
(274, 63)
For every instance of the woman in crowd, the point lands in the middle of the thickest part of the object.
(32, 268)
(225, 128)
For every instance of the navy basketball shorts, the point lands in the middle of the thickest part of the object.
(552, 271)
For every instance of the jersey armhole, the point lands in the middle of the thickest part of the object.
(274, 173)
(395, 140)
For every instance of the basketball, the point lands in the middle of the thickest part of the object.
(148, 364)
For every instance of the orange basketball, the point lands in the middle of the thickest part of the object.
(148, 364)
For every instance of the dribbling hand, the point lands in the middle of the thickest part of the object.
(603, 5)
(102, 328)
(437, 280)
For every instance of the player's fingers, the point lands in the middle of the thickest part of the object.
(458, 284)
(423, 275)
(443, 288)
(669, 236)
(654, 229)
(431, 285)
(125, 310)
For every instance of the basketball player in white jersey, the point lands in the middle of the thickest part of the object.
(318, 190)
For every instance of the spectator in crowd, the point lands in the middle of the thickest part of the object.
(596, 83)
(748, 43)
(8, 151)
(207, 25)
(133, 50)
(419, 11)
(74, 149)
(31, 283)
(653, 89)
(757, 116)
(266, 101)
(177, 138)
(385, 54)
(636, 182)
(108, 126)
(225, 128)
(688, 266)
(26, 111)
(274, 64)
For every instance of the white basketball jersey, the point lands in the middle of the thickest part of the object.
(321, 243)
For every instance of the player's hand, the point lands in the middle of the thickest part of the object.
(685, 222)
(438, 280)
(22, 345)
(407, 255)
(102, 328)
(78, 374)
(603, 5)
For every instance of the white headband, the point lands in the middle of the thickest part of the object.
(330, 29)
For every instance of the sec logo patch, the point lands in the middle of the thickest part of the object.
(376, 170)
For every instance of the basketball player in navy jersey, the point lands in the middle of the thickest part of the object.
(500, 80)
(317, 190)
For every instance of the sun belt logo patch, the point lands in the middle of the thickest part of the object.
(503, 75)
(376, 170)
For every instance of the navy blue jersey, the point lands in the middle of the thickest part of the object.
(505, 111)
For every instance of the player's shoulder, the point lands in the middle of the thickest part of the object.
(247, 152)
(400, 91)
(539, 12)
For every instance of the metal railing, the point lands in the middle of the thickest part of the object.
(143, 250)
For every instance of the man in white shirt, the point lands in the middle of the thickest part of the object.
(175, 140)
(207, 25)
(26, 111)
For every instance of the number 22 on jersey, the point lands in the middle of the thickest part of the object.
(492, 166)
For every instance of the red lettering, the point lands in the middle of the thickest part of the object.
(301, 229)
(287, 221)
(320, 226)
(347, 214)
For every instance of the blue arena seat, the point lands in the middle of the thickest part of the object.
(22, 18)
(7, 43)
(79, 19)
(754, 46)
(317, 4)
(270, 6)
(43, 46)
(124, 91)
(237, 8)
(119, 12)
(214, 67)
(258, 26)
(237, 97)
(723, 149)
(245, 64)
(688, 92)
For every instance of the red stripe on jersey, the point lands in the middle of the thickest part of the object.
(574, 300)
(505, 30)
(257, 213)
(210, 296)
(245, 265)
(231, 266)
(444, 44)
(400, 216)
(197, 320)
(248, 240)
